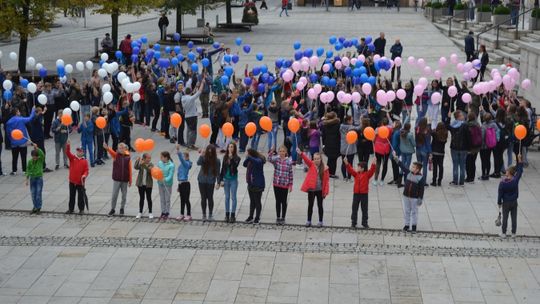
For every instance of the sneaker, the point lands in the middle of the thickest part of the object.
(121, 211)
(150, 216)
(66, 166)
(494, 175)
(81, 212)
(210, 218)
(406, 228)
(249, 220)
(256, 221)
(375, 182)
(13, 173)
(513, 235)
(392, 182)
(56, 167)
(38, 210)
(278, 221)
(111, 213)
(204, 218)
(69, 212)
(139, 215)
(180, 218)
(381, 183)
(308, 224)
(453, 183)
(366, 226)
(353, 225)
(187, 218)
(502, 235)
(320, 224)
(433, 184)
(33, 211)
(165, 217)
(47, 170)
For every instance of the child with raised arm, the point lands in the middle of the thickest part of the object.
(184, 187)
(361, 189)
(316, 184)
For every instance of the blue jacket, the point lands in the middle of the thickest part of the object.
(244, 116)
(183, 168)
(115, 122)
(87, 132)
(254, 174)
(426, 147)
(509, 188)
(168, 173)
(36, 129)
(396, 141)
(19, 122)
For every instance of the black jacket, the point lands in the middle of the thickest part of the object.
(331, 137)
(413, 184)
(232, 165)
(469, 44)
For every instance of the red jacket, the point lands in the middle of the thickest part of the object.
(78, 167)
(284, 3)
(311, 177)
(382, 146)
(361, 179)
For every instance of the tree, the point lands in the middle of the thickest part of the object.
(27, 18)
(183, 7)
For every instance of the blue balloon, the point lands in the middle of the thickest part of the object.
(371, 47)
(190, 44)
(377, 65)
(134, 44)
(42, 72)
(313, 78)
(347, 43)
(8, 95)
(354, 41)
(24, 82)
(256, 71)
(216, 45)
(205, 62)
(238, 41)
(337, 58)
(338, 46)
(191, 56)
(195, 67)
(329, 54)
(157, 47)
(164, 63)
(177, 50)
(332, 40)
(224, 80)
(288, 63)
(228, 71)
(136, 50)
(61, 71)
(134, 58)
(372, 80)
(297, 45)
(270, 80)
(320, 51)
(176, 37)
(150, 53)
(324, 80)
(167, 50)
(364, 78)
(247, 48)
(199, 50)
(298, 55)
(332, 82)
(363, 70)
(264, 68)
(157, 55)
(356, 81)
(341, 39)
(264, 77)
(279, 63)
(180, 57)
(144, 39)
(260, 88)
(235, 58)
(348, 71)
(247, 81)
(368, 39)
(118, 55)
(359, 64)
(308, 52)
(227, 58)
(259, 56)
(174, 61)
(356, 72)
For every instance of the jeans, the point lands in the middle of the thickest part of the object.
(57, 148)
(284, 9)
(230, 187)
(410, 211)
(459, 159)
(311, 201)
(88, 147)
(207, 198)
(117, 187)
(145, 191)
(509, 208)
(360, 200)
(281, 201)
(204, 98)
(191, 130)
(137, 111)
(255, 141)
(422, 158)
(272, 136)
(438, 168)
(165, 198)
(36, 188)
(498, 159)
(184, 188)
(406, 159)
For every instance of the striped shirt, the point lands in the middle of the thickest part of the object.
(283, 171)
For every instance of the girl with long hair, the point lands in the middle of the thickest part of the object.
(228, 179)
(207, 179)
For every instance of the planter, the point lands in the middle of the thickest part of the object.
(200, 22)
(534, 24)
(445, 11)
(483, 16)
(499, 19)
(436, 12)
(427, 12)
(459, 14)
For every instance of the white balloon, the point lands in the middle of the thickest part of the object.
(39, 66)
(130, 87)
(89, 65)
(31, 61)
(107, 97)
(136, 97)
(75, 106)
(121, 76)
(114, 66)
(79, 66)
(104, 56)
(67, 111)
(7, 85)
(32, 88)
(13, 56)
(1, 54)
(136, 86)
(42, 99)
(125, 82)
(106, 88)
(68, 68)
(109, 68)
(102, 73)
(59, 62)
(63, 79)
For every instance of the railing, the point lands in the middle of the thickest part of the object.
(465, 13)
(498, 27)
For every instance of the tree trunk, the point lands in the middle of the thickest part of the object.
(178, 18)
(114, 29)
(23, 41)
(228, 11)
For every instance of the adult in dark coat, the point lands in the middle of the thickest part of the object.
(331, 141)
(469, 46)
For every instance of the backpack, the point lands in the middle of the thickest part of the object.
(491, 138)
(502, 136)
(476, 136)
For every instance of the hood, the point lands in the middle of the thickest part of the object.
(456, 123)
(332, 121)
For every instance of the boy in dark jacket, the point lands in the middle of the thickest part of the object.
(508, 195)
(361, 189)
(413, 193)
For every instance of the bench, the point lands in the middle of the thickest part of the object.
(194, 36)
(240, 25)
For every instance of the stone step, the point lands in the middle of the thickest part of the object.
(508, 57)
(529, 39)
(534, 36)
(494, 58)
(514, 45)
(510, 50)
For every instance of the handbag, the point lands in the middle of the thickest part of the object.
(498, 220)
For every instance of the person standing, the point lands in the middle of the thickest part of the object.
(484, 61)
(438, 143)
(190, 112)
(126, 49)
(361, 189)
(469, 46)
(459, 146)
(163, 23)
(78, 171)
(107, 45)
(144, 183)
(121, 175)
(34, 177)
(207, 177)
(331, 141)
(284, 4)
(86, 129)
(184, 186)
(380, 44)
(413, 193)
(18, 147)
(60, 138)
(36, 133)
(254, 163)
(283, 181)
(508, 194)
(396, 51)
(206, 81)
(228, 179)
(165, 185)
(316, 184)
(263, 5)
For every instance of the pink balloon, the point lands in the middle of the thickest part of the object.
(422, 81)
(390, 96)
(305, 65)
(525, 84)
(473, 73)
(288, 75)
(311, 93)
(347, 99)
(466, 76)
(296, 66)
(466, 98)
(467, 66)
(397, 61)
(437, 74)
(376, 57)
(436, 98)
(366, 88)
(381, 97)
(300, 85)
(401, 94)
(362, 58)
(411, 61)
(442, 62)
(323, 97)
(453, 58)
(355, 96)
(338, 65)
(331, 96)
(421, 63)
(477, 89)
(418, 90)
(507, 82)
(313, 61)
(353, 61)
(326, 67)
(460, 67)
(340, 95)
(427, 71)
(303, 79)
(345, 61)
(452, 91)
(317, 88)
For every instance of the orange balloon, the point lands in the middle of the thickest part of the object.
(538, 124)
(101, 122)
(139, 145)
(17, 134)
(227, 129)
(383, 132)
(250, 129)
(293, 125)
(66, 120)
(176, 120)
(369, 133)
(266, 123)
(157, 173)
(351, 137)
(148, 145)
(520, 132)
(205, 130)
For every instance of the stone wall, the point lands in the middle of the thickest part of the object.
(529, 65)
